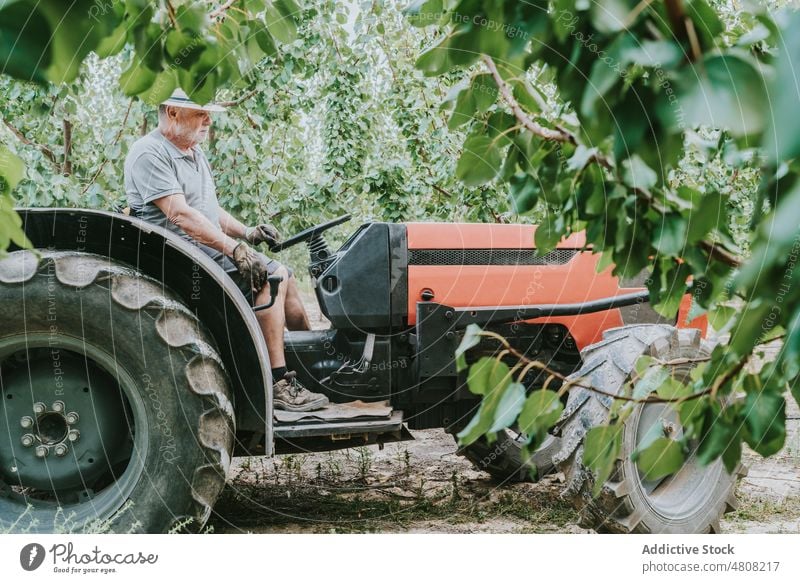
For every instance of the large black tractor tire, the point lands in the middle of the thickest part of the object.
(503, 459)
(694, 499)
(116, 413)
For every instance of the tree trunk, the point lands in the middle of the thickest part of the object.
(66, 167)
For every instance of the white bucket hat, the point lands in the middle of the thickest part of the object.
(180, 99)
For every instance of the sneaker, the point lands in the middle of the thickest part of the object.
(288, 394)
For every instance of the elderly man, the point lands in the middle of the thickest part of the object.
(168, 182)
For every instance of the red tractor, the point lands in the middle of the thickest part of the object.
(132, 369)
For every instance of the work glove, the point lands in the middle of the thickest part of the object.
(251, 266)
(262, 233)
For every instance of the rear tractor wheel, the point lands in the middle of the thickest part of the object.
(115, 412)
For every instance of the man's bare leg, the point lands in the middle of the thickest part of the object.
(296, 316)
(273, 320)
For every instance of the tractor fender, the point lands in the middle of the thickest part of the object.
(189, 273)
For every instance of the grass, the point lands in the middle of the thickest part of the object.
(764, 509)
(343, 492)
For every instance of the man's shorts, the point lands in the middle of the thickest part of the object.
(230, 268)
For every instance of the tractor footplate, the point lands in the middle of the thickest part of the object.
(354, 431)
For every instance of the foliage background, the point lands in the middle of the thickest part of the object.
(339, 121)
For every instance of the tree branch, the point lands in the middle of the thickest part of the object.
(544, 368)
(441, 190)
(221, 10)
(720, 254)
(49, 154)
(238, 100)
(171, 15)
(66, 167)
(559, 135)
(676, 17)
(114, 143)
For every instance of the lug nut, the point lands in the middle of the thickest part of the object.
(39, 408)
(72, 418)
(27, 440)
(58, 406)
(74, 435)
(41, 451)
(61, 450)
(26, 422)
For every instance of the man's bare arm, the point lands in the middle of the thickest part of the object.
(195, 224)
(230, 226)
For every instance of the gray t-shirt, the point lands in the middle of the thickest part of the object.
(155, 168)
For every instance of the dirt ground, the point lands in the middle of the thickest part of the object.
(424, 486)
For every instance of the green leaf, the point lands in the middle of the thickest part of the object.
(523, 93)
(546, 237)
(12, 170)
(660, 459)
(434, 61)
(190, 18)
(709, 213)
(540, 412)
(479, 162)
(669, 236)
(650, 53)
(727, 92)
(422, 13)
(472, 337)
(484, 91)
(464, 110)
(487, 375)
(113, 43)
(280, 26)
(289, 8)
(25, 55)
(753, 318)
(600, 451)
(643, 364)
(163, 86)
(653, 433)
(76, 29)
(494, 379)
(611, 15)
(492, 38)
(606, 73)
(691, 413)
(653, 378)
(765, 419)
(10, 224)
(509, 407)
(718, 437)
(524, 192)
(720, 316)
(565, 20)
(263, 38)
(637, 174)
(782, 138)
(461, 46)
(137, 78)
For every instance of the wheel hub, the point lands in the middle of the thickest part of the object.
(53, 429)
(61, 415)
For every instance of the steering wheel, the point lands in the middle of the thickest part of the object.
(309, 233)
